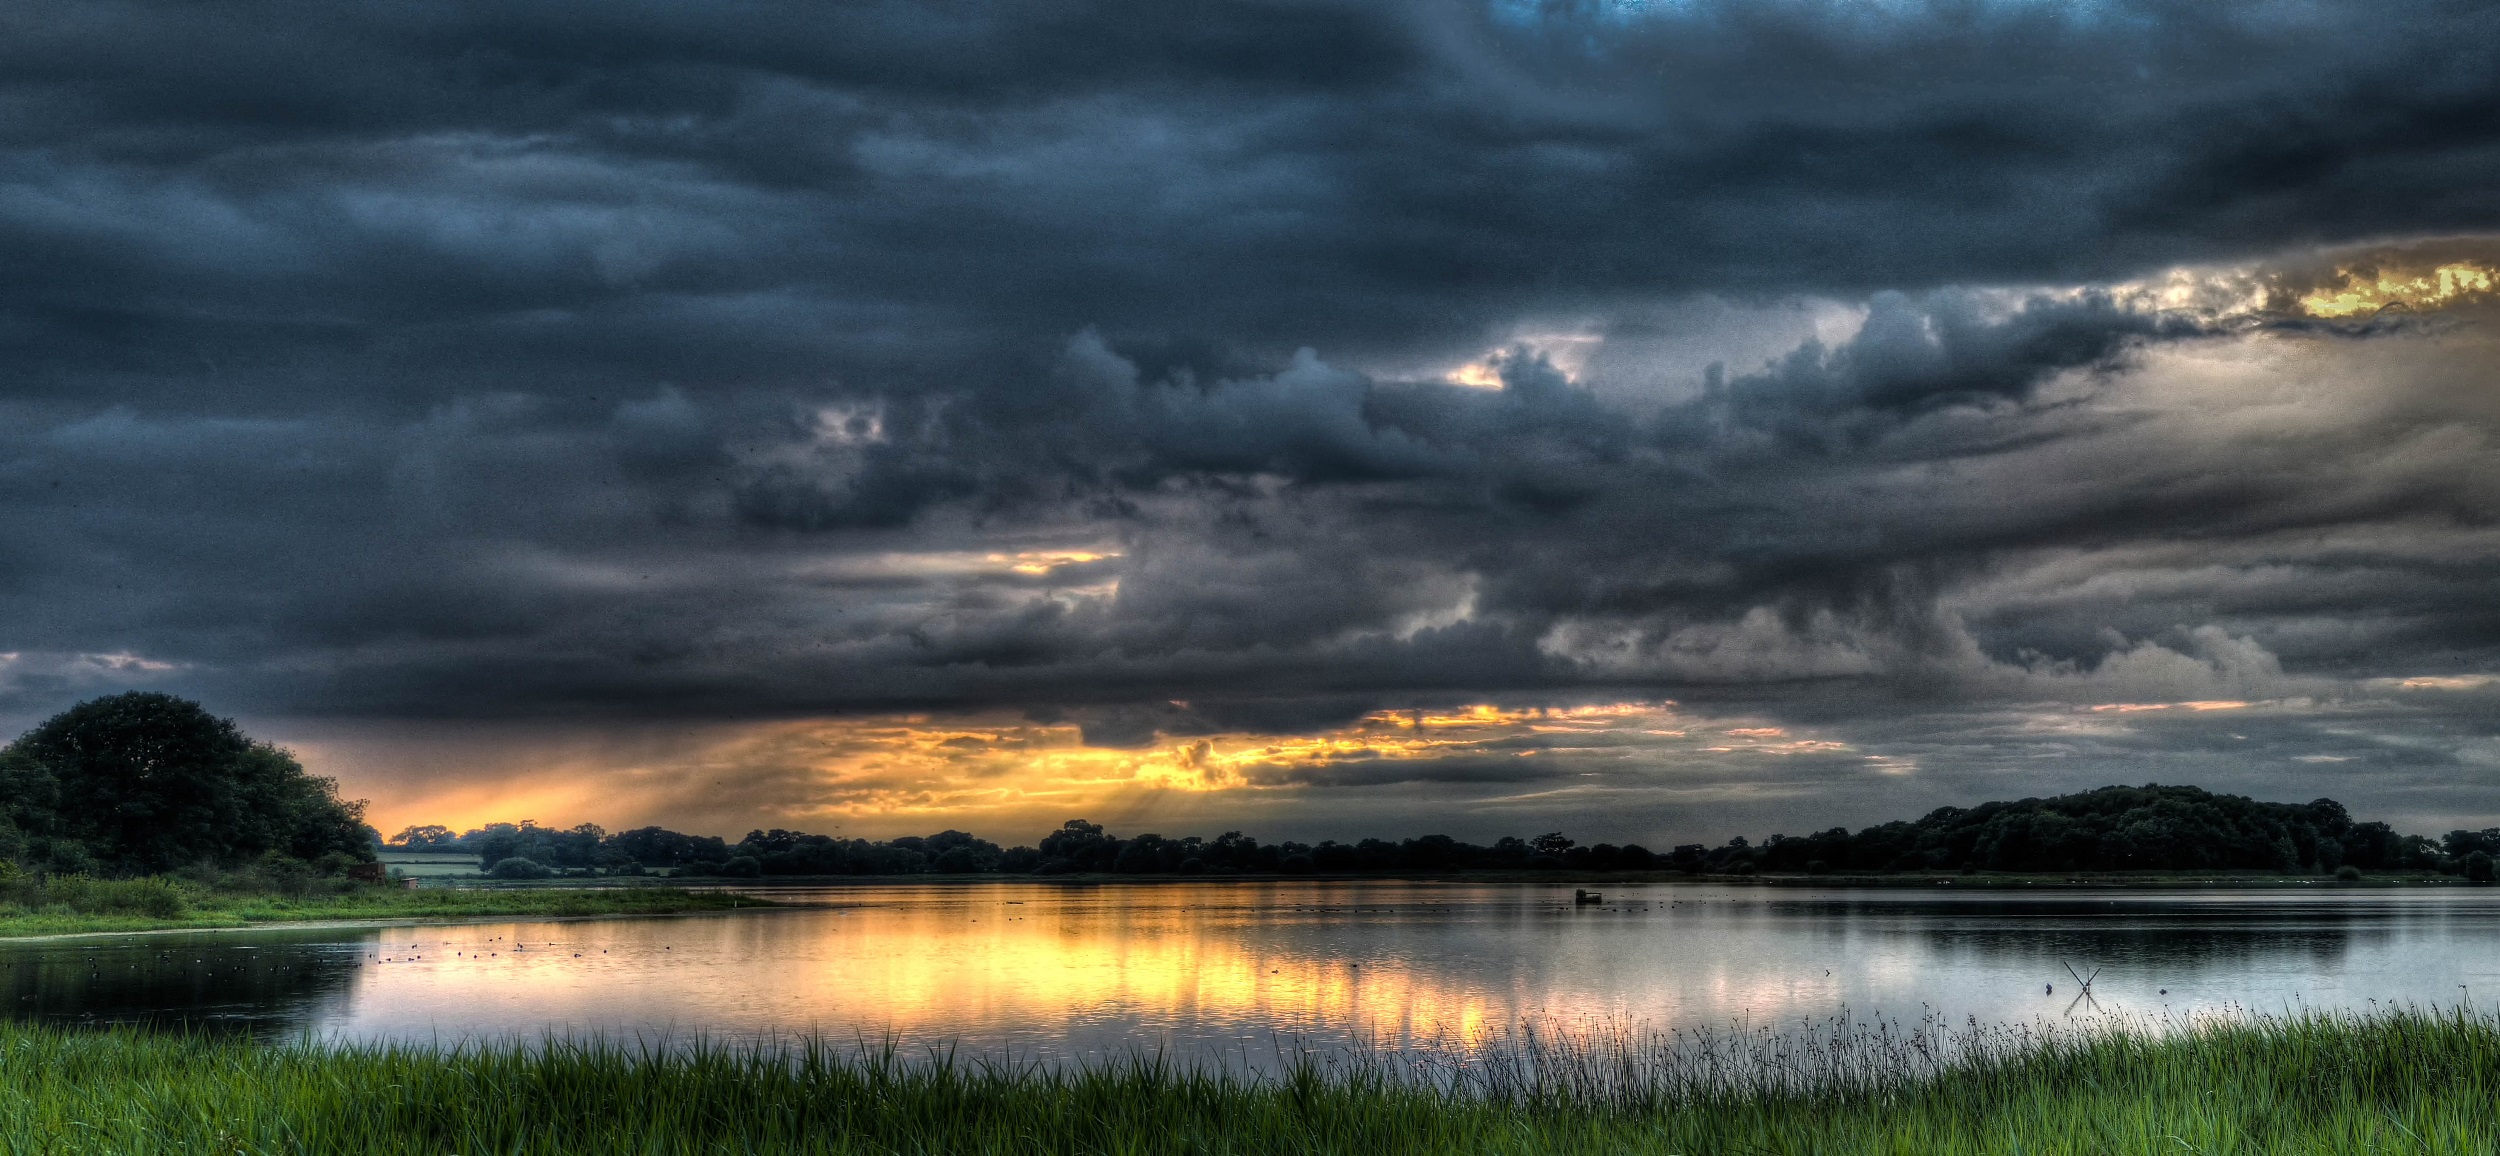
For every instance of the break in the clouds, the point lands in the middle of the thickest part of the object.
(1735, 413)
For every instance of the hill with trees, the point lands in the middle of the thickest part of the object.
(2147, 828)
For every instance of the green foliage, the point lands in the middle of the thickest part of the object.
(80, 895)
(517, 867)
(2407, 1083)
(144, 783)
(272, 874)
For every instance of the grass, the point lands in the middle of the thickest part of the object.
(65, 905)
(2411, 1082)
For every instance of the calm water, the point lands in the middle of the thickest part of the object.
(1227, 970)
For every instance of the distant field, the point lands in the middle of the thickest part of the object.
(430, 864)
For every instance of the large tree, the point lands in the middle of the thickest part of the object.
(145, 782)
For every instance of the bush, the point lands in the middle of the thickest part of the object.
(155, 898)
(2348, 873)
(2478, 868)
(519, 868)
(742, 867)
(80, 895)
(271, 874)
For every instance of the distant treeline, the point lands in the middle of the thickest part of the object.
(2148, 828)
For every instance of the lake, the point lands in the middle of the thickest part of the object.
(1232, 972)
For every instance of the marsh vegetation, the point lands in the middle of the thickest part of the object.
(2412, 1081)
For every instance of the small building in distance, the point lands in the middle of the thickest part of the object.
(429, 864)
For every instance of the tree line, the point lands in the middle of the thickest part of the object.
(2148, 828)
(143, 783)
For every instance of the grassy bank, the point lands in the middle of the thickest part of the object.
(66, 905)
(2404, 1083)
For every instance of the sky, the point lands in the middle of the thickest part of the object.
(1653, 421)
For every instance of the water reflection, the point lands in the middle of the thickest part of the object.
(1227, 970)
(210, 983)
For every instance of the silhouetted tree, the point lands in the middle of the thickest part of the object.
(430, 838)
(145, 782)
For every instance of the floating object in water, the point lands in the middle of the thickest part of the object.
(2085, 982)
(1579, 897)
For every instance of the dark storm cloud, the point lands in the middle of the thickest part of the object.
(557, 360)
(1352, 177)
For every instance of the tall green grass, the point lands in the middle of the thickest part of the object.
(152, 898)
(2403, 1082)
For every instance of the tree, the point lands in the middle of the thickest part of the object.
(1080, 846)
(660, 847)
(517, 867)
(145, 782)
(427, 838)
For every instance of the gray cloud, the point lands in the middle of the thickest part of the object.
(570, 363)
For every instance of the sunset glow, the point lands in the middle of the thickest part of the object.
(909, 772)
(2373, 291)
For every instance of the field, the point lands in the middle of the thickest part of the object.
(74, 905)
(2416, 1082)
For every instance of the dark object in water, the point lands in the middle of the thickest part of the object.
(1581, 897)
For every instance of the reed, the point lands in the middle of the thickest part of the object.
(2407, 1081)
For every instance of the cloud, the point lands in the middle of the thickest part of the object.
(1257, 368)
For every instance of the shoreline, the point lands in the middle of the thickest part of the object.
(549, 901)
(760, 906)
(547, 905)
(1596, 879)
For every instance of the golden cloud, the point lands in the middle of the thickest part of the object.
(2358, 292)
(898, 773)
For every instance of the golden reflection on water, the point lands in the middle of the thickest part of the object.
(938, 963)
(1044, 970)
(929, 968)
